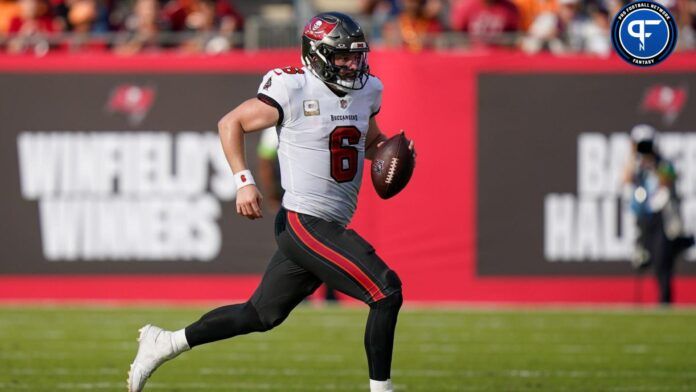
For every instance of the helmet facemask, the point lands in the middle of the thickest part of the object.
(332, 37)
(322, 62)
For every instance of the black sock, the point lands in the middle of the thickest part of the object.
(223, 323)
(379, 335)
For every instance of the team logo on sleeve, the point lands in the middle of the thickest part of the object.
(644, 33)
(268, 83)
(311, 107)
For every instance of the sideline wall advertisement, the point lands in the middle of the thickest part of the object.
(551, 165)
(117, 188)
(124, 174)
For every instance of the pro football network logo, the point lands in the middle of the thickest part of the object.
(644, 33)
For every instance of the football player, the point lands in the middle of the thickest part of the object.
(325, 117)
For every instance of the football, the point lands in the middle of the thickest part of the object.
(392, 166)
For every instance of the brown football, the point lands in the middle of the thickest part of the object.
(392, 166)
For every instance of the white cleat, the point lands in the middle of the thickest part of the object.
(156, 347)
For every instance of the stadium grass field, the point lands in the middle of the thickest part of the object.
(89, 348)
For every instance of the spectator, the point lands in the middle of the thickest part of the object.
(531, 9)
(613, 6)
(570, 29)
(142, 29)
(415, 26)
(687, 38)
(215, 23)
(201, 20)
(81, 15)
(488, 22)
(34, 17)
(380, 12)
(177, 14)
(229, 18)
(572, 23)
(8, 10)
(596, 34)
(544, 34)
(30, 28)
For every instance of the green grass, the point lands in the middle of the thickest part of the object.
(77, 348)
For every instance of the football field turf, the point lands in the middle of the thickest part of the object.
(90, 348)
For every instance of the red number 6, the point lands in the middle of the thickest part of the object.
(344, 159)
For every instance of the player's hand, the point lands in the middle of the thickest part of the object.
(249, 202)
(411, 146)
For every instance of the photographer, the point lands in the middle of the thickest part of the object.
(656, 206)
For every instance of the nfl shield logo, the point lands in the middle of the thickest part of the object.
(344, 102)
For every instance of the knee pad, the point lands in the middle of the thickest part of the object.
(269, 317)
(393, 301)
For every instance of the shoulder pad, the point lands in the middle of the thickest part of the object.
(375, 83)
(292, 77)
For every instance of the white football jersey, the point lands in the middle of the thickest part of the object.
(321, 141)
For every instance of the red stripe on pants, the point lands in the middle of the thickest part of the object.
(334, 257)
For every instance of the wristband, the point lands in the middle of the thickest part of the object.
(243, 178)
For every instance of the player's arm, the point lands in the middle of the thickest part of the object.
(375, 138)
(251, 116)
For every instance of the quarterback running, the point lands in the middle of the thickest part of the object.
(324, 114)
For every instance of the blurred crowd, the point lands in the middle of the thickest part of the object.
(556, 26)
(215, 26)
(127, 26)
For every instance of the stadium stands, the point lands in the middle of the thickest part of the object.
(216, 26)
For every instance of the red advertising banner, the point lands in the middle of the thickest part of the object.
(499, 136)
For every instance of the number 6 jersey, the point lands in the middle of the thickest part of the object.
(321, 140)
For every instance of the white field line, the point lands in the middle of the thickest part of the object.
(64, 372)
(202, 386)
(90, 386)
(397, 373)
